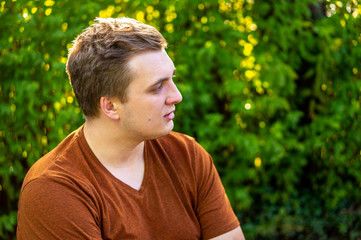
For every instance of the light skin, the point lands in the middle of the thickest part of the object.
(235, 234)
(117, 135)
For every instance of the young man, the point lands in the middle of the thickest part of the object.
(124, 174)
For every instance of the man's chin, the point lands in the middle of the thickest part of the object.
(161, 134)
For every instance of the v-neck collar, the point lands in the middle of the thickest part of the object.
(90, 154)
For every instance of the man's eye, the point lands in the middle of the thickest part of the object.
(159, 87)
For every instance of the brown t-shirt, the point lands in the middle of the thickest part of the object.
(69, 194)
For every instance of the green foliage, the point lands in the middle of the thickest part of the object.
(271, 89)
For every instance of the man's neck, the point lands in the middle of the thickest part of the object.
(124, 159)
(110, 146)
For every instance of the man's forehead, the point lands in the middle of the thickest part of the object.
(154, 61)
(149, 68)
(149, 55)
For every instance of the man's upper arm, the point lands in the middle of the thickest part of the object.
(235, 234)
(214, 210)
(56, 209)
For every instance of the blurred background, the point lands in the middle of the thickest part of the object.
(272, 89)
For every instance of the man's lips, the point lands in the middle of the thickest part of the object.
(170, 116)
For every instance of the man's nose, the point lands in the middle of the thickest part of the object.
(174, 96)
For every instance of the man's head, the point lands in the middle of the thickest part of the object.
(98, 62)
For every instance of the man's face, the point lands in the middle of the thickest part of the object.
(151, 96)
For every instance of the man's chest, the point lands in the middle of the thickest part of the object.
(164, 208)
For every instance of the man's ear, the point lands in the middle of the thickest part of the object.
(109, 108)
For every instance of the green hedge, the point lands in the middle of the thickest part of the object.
(271, 89)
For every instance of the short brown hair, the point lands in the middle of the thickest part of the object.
(97, 63)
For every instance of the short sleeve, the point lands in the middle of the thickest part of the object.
(56, 209)
(214, 210)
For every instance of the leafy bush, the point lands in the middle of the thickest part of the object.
(271, 89)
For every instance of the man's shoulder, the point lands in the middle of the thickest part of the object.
(179, 144)
(57, 161)
(178, 137)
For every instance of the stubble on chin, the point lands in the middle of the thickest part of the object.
(161, 134)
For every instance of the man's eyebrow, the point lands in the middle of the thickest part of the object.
(162, 80)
